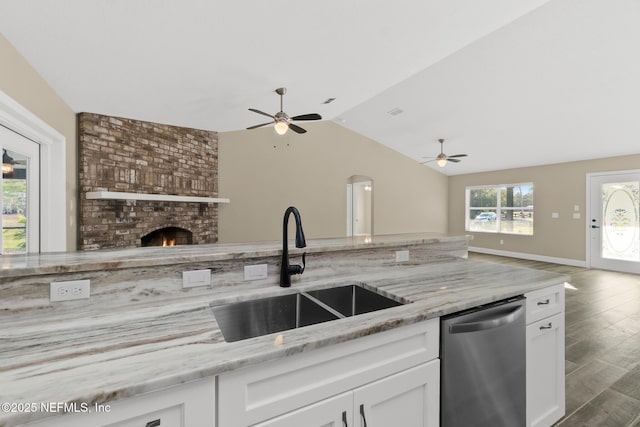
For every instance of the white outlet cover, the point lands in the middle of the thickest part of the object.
(255, 272)
(69, 290)
(555, 215)
(402, 256)
(576, 215)
(194, 278)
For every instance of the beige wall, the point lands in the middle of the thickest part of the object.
(310, 172)
(557, 188)
(22, 83)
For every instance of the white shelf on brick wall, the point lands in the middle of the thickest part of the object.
(118, 195)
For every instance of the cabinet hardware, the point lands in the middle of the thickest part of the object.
(344, 419)
(545, 302)
(548, 326)
(364, 419)
(154, 423)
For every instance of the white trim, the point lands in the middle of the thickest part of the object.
(117, 195)
(53, 186)
(532, 257)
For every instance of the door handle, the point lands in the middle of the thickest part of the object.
(595, 226)
(547, 326)
(154, 423)
(344, 419)
(364, 419)
(499, 320)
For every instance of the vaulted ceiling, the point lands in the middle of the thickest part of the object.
(511, 84)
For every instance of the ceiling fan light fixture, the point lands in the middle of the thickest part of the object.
(442, 162)
(281, 127)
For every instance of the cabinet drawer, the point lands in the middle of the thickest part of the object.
(544, 303)
(250, 395)
(165, 417)
(188, 405)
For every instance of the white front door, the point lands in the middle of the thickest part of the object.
(614, 221)
(20, 194)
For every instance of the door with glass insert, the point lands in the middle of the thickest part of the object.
(19, 194)
(614, 222)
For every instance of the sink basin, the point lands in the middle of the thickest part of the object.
(248, 319)
(353, 300)
(263, 316)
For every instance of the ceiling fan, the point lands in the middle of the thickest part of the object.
(282, 121)
(442, 158)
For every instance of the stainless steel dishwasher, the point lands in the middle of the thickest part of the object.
(482, 356)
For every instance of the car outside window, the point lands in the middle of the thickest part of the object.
(504, 208)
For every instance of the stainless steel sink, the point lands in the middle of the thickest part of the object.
(247, 319)
(353, 300)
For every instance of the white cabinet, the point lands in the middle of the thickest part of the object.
(409, 398)
(187, 405)
(393, 375)
(545, 356)
(334, 412)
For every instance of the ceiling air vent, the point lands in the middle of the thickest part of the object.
(396, 111)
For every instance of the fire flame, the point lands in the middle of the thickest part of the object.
(168, 242)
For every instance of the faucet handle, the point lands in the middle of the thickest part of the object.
(298, 269)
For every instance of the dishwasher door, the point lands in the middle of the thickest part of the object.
(482, 356)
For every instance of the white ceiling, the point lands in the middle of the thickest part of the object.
(509, 83)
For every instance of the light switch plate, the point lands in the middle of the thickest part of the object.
(402, 256)
(255, 272)
(555, 215)
(193, 278)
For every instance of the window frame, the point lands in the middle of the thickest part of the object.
(498, 208)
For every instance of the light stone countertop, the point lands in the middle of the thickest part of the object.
(67, 262)
(126, 348)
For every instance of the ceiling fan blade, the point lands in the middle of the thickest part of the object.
(261, 112)
(449, 159)
(457, 155)
(428, 161)
(313, 116)
(296, 128)
(260, 125)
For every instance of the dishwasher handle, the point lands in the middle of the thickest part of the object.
(499, 319)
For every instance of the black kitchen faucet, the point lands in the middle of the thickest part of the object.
(287, 270)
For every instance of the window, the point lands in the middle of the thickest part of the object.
(500, 209)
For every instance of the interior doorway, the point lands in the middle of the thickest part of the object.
(613, 233)
(19, 194)
(359, 206)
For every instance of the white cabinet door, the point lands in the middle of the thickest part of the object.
(187, 405)
(408, 399)
(333, 412)
(545, 371)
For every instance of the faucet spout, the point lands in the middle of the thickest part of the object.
(287, 270)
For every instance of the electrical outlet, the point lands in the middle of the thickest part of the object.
(193, 278)
(402, 256)
(255, 272)
(71, 290)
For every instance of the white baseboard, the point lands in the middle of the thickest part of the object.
(532, 257)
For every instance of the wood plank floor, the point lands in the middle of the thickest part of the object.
(602, 344)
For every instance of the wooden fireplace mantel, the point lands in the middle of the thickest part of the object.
(117, 195)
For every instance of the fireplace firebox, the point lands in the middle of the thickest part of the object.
(167, 236)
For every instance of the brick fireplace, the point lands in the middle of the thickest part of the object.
(119, 155)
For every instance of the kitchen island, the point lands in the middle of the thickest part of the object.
(145, 333)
